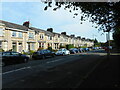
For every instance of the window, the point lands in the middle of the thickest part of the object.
(15, 53)
(41, 45)
(41, 36)
(0, 44)
(6, 54)
(49, 37)
(14, 34)
(48, 51)
(31, 35)
(45, 51)
(20, 35)
(33, 46)
(1, 32)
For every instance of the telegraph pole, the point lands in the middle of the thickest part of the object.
(108, 43)
(94, 38)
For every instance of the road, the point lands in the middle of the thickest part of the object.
(58, 72)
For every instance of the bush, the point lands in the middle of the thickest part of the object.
(31, 52)
(61, 46)
(69, 46)
(83, 46)
(40, 48)
(50, 48)
(54, 50)
(1, 50)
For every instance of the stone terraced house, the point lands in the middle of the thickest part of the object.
(24, 38)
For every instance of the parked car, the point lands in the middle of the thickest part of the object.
(81, 50)
(63, 51)
(11, 57)
(74, 50)
(42, 54)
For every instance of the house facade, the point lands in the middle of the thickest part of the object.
(25, 38)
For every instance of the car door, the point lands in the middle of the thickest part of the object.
(7, 57)
(49, 53)
(46, 53)
(64, 51)
(16, 57)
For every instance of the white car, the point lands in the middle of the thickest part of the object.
(63, 51)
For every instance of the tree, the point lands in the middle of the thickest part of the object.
(116, 37)
(105, 15)
(95, 41)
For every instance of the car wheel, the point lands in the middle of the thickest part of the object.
(63, 54)
(25, 60)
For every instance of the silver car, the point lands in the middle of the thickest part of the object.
(63, 51)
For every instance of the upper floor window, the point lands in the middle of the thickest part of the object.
(20, 34)
(0, 44)
(49, 37)
(31, 35)
(41, 36)
(14, 34)
(1, 32)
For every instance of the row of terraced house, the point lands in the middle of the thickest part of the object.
(23, 37)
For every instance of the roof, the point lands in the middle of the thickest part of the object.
(36, 29)
(12, 25)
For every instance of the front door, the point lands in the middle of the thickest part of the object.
(14, 46)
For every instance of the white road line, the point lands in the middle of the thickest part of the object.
(16, 70)
(54, 61)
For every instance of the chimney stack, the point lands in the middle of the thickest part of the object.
(72, 35)
(50, 29)
(64, 33)
(79, 37)
(27, 23)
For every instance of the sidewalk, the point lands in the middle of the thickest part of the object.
(106, 75)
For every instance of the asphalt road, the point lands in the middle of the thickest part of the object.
(58, 72)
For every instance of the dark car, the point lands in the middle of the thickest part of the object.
(42, 54)
(81, 50)
(11, 57)
(74, 50)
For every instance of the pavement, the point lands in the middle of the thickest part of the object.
(106, 75)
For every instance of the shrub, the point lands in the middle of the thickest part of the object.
(31, 52)
(61, 46)
(40, 48)
(1, 50)
(83, 46)
(50, 48)
(69, 46)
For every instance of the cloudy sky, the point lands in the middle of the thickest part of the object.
(60, 20)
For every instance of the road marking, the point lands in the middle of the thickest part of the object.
(54, 61)
(16, 70)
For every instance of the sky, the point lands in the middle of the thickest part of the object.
(60, 20)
